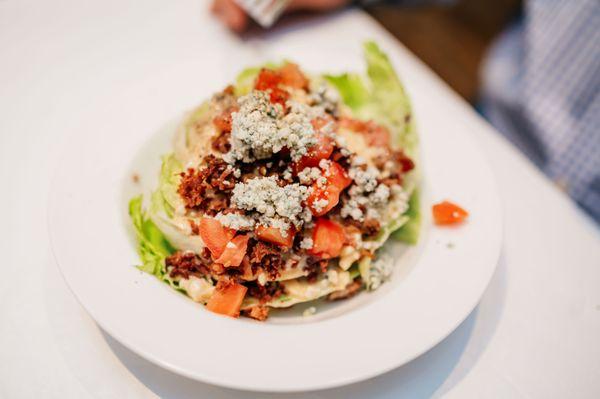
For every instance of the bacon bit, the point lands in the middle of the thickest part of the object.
(314, 266)
(368, 227)
(185, 263)
(221, 142)
(135, 178)
(267, 256)
(229, 90)
(204, 189)
(194, 226)
(223, 121)
(265, 293)
(259, 313)
(349, 291)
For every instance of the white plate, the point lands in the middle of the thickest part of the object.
(435, 286)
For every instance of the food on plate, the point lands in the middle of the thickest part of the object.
(282, 188)
(446, 213)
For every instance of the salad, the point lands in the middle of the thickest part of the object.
(282, 188)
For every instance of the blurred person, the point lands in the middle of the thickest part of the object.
(540, 88)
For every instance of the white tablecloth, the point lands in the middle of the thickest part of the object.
(535, 333)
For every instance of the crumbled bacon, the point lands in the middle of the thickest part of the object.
(185, 263)
(194, 226)
(315, 266)
(205, 189)
(401, 164)
(259, 313)
(267, 256)
(221, 142)
(349, 291)
(367, 227)
(265, 293)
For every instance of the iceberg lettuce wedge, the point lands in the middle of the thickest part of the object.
(380, 96)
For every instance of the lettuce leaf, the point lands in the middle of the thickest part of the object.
(153, 247)
(380, 96)
(409, 232)
(166, 198)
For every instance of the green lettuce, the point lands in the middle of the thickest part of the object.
(166, 198)
(153, 247)
(380, 96)
(409, 232)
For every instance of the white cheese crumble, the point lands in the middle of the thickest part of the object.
(366, 194)
(309, 175)
(236, 221)
(266, 197)
(287, 174)
(319, 204)
(260, 129)
(306, 243)
(379, 272)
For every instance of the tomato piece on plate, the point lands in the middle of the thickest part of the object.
(323, 199)
(374, 134)
(292, 76)
(274, 236)
(337, 176)
(321, 150)
(234, 251)
(278, 96)
(328, 239)
(227, 299)
(448, 213)
(267, 79)
(214, 235)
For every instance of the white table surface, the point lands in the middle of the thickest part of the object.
(536, 332)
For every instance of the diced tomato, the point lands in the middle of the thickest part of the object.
(448, 213)
(267, 79)
(234, 251)
(321, 150)
(377, 135)
(322, 199)
(337, 176)
(292, 76)
(227, 299)
(328, 239)
(273, 235)
(374, 134)
(278, 96)
(214, 235)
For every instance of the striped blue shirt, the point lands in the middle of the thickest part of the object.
(541, 85)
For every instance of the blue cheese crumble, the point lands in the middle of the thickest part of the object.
(265, 196)
(260, 129)
(366, 193)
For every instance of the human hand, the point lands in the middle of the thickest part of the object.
(236, 19)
